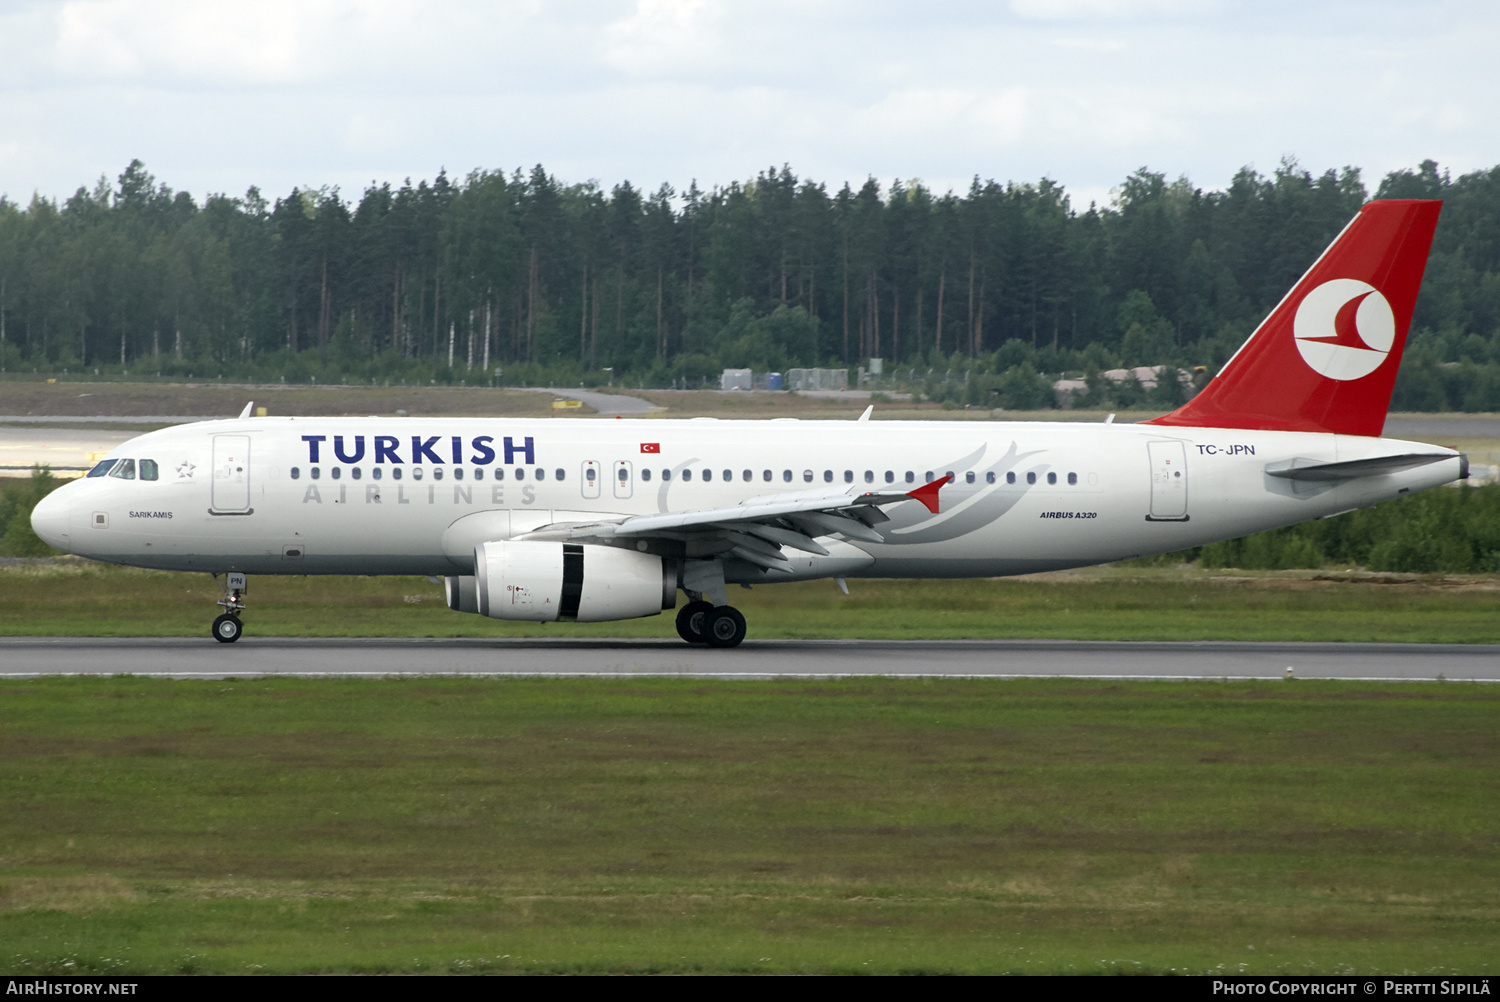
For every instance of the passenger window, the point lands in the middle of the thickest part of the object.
(666, 474)
(786, 476)
(478, 473)
(951, 478)
(297, 473)
(102, 468)
(124, 469)
(687, 474)
(148, 469)
(458, 473)
(827, 476)
(1031, 478)
(1010, 478)
(316, 472)
(728, 476)
(911, 477)
(336, 472)
(747, 476)
(354, 472)
(541, 474)
(558, 474)
(929, 476)
(807, 476)
(376, 474)
(765, 475)
(416, 473)
(1072, 479)
(395, 473)
(645, 474)
(890, 476)
(869, 476)
(848, 476)
(499, 473)
(590, 474)
(969, 477)
(989, 478)
(437, 473)
(1052, 478)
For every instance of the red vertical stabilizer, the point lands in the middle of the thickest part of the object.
(1326, 357)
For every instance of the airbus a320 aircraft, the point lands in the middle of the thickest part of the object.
(539, 520)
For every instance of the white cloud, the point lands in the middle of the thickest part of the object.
(1099, 45)
(218, 96)
(132, 39)
(1121, 10)
(281, 42)
(663, 36)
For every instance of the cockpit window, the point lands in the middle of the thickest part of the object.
(124, 469)
(102, 468)
(148, 469)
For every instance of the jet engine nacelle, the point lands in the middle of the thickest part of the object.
(541, 582)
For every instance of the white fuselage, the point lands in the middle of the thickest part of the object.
(416, 495)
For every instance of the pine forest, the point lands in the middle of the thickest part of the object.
(525, 279)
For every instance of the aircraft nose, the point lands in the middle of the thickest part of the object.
(49, 520)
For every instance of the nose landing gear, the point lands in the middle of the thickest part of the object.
(227, 628)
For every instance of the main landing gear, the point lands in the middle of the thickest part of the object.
(227, 628)
(701, 622)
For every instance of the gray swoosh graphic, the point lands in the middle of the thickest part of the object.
(666, 485)
(975, 507)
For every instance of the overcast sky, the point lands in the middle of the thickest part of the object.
(217, 96)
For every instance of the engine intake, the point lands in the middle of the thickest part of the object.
(542, 582)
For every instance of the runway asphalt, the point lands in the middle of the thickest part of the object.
(186, 658)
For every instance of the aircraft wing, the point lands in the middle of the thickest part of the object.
(756, 530)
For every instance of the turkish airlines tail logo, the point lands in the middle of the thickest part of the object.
(1326, 357)
(1344, 329)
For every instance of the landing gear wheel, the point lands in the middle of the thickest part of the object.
(724, 627)
(227, 629)
(690, 621)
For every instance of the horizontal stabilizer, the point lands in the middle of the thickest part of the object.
(1316, 470)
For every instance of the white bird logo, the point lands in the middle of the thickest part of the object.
(1344, 329)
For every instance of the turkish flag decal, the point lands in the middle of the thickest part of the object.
(651, 447)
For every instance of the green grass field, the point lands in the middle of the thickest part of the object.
(80, 598)
(680, 826)
(639, 826)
